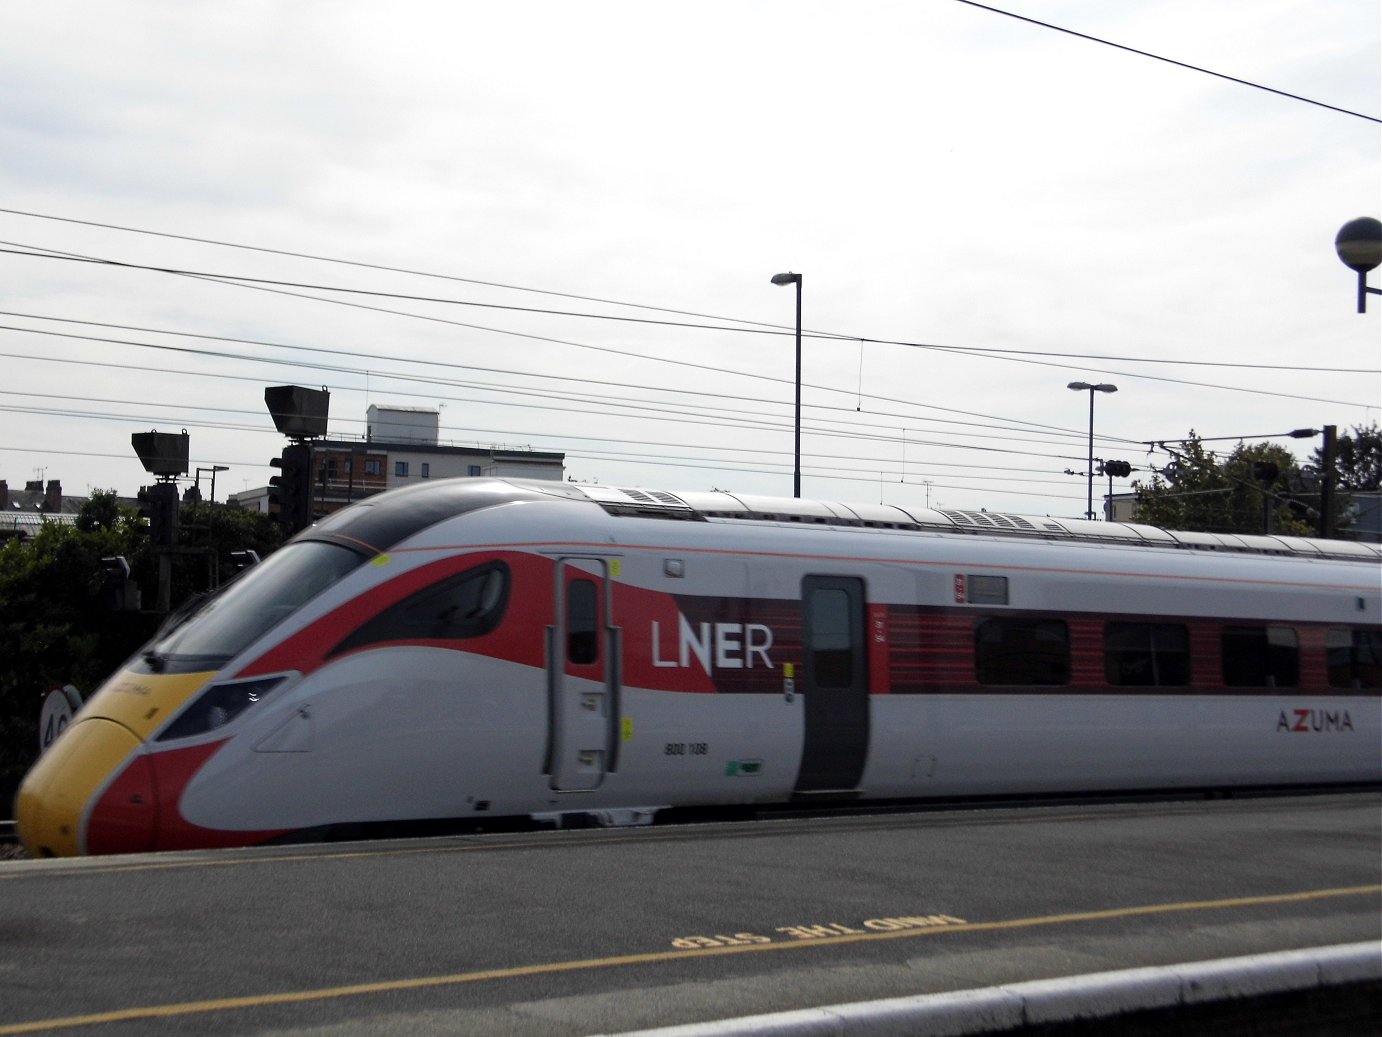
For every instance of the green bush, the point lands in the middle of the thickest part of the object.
(57, 623)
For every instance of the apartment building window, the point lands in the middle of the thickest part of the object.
(474, 470)
(373, 466)
(426, 470)
(400, 469)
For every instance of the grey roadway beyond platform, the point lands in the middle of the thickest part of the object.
(565, 934)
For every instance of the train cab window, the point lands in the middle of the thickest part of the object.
(1147, 654)
(468, 604)
(582, 622)
(1022, 651)
(1354, 658)
(1260, 657)
(248, 607)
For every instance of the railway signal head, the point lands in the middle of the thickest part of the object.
(291, 489)
(159, 504)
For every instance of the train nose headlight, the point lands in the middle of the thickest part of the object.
(218, 705)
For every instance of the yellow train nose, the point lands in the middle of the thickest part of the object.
(56, 800)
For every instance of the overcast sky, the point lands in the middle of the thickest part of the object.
(1044, 207)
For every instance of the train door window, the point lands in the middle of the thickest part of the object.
(1354, 658)
(468, 604)
(582, 622)
(1260, 657)
(1022, 651)
(831, 647)
(1147, 654)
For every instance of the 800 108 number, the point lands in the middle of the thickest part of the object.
(686, 749)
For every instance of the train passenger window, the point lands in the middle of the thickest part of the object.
(1147, 654)
(582, 622)
(1260, 657)
(467, 604)
(1354, 658)
(1022, 651)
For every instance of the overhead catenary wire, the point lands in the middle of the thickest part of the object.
(908, 434)
(870, 478)
(720, 370)
(864, 470)
(186, 420)
(1170, 61)
(888, 432)
(993, 353)
(1013, 423)
(1007, 423)
(1000, 352)
(751, 375)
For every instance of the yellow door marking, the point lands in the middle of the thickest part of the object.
(589, 964)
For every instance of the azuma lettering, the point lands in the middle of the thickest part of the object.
(1310, 721)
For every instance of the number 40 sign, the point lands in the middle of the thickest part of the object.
(59, 705)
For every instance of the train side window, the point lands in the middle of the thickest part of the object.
(987, 590)
(1260, 657)
(582, 622)
(1022, 651)
(1354, 658)
(468, 604)
(1147, 654)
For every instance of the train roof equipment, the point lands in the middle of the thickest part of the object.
(720, 505)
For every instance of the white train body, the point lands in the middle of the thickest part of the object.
(474, 649)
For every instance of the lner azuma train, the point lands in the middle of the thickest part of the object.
(474, 649)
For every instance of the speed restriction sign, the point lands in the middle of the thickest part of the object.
(59, 706)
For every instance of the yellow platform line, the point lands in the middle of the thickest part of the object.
(589, 964)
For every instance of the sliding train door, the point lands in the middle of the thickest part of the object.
(834, 684)
(582, 677)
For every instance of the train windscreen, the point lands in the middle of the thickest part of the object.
(227, 623)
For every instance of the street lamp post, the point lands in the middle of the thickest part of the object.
(791, 278)
(1359, 245)
(213, 470)
(1091, 389)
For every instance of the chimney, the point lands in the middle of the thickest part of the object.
(4, 495)
(52, 499)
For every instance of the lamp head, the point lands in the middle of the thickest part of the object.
(1359, 244)
(787, 278)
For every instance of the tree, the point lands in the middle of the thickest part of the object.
(1357, 469)
(1240, 493)
(102, 510)
(57, 628)
(1357, 459)
(56, 623)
